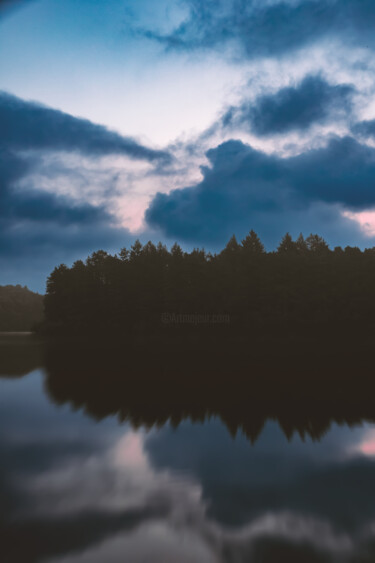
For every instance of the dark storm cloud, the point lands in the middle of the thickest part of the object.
(292, 108)
(40, 229)
(43, 228)
(245, 188)
(342, 172)
(33, 205)
(267, 29)
(28, 125)
(365, 128)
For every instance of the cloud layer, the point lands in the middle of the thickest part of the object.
(28, 125)
(292, 108)
(49, 225)
(271, 28)
(244, 188)
(291, 149)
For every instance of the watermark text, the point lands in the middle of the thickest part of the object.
(194, 318)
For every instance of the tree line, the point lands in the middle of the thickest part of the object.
(20, 308)
(303, 282)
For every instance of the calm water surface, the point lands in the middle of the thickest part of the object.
(80, 488)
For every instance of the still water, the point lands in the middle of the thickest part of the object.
(86, 480)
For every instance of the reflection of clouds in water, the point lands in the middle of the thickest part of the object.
(202, 541)
(128, 507)
(129, 451)
(156, 542)
(116, 480)
(367, 445)
(179, 529)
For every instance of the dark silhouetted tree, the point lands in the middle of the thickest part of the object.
(303, 284)
(252, 244)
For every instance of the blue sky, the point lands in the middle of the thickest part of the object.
(183, 120)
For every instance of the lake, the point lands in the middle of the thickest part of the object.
(103, 463)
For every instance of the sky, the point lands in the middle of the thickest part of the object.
(182, 120)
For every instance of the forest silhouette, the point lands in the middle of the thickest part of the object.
(303, 284)
(20, 308)
(246, 335)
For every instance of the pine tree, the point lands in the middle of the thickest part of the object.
(287, 244)
(136, 250)
(315, 243)
(301, 245)
(232, 246)
(252, 244)
(124, 254)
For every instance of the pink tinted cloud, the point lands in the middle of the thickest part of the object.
(366, 220)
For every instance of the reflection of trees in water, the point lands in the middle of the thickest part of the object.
(305, 383)
(19, 354)
(290, 351)
(305, 386)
